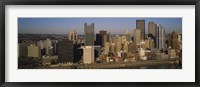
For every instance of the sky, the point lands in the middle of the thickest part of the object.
(112, 25)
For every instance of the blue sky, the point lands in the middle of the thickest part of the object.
(112, 25)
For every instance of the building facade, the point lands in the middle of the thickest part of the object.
(140, 24)
(34, 51)
(88, 54)
(89, 34)
(65, 51)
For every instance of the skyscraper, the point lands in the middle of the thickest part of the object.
(140, 24)
(65, 51)
(89, 34)
(174, 40)
(73, 36)
(88, 54)
(160, 37)
(47, 45)
(152, 28)
(137, 36)
(104, 37)
(98, 39)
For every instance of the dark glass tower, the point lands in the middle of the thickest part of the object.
(89, 34)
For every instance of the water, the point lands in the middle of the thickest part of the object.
(164, 66)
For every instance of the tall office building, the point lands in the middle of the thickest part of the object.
(137, 36)
(152, 28)
(47, 45)
(34, 51)
(88, 54)
(102, 37)
(55, 47)
(98, 39)
(174, 40)
(89, 34)
(160, 37)
(65, 51)
(140, 24)
(72, 36)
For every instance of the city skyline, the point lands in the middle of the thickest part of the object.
(112, 25)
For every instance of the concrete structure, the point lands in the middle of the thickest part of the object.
(89, 34)
(88, 54)
(140, 24)
(34, 51)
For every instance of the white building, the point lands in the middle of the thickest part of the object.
(47, 45)
(142, 54)
(88, 54)
(160, 37)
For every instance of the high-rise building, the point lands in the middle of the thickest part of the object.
(140, 24)
(41, 44)
(152, 39)
(89, 34)
(88, 54)
(152, 28)
(174, 40)
(34, 51)
(137, 36)
(65, 51)
(102, 38)
(160, 37)
(47, 45)
(72, 36)
(55, 47)
(98, 39)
